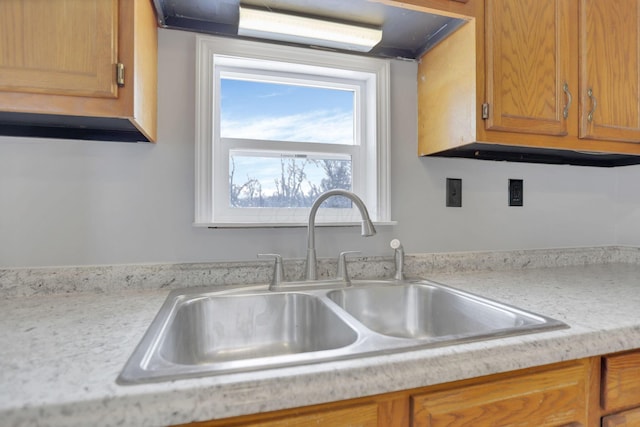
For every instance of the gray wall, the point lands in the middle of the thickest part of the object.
(78, 202)
(627, 217)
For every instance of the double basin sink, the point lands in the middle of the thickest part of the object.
(210, 332)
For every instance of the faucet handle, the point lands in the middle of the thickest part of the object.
(398, 258)
(343, 274)
(278, 271)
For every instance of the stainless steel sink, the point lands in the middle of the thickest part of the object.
(200, 332)
(222, 329)
(422, 311)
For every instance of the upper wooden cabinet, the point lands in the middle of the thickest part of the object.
(610, 70)
(78, 69)
(528, 62)
(62, 47)
(536, 80)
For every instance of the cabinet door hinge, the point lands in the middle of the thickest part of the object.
(485, 111)
(120, 74)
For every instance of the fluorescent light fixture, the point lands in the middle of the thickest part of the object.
(298, 29)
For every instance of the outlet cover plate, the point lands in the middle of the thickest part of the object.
(454, 193)
(516, 190)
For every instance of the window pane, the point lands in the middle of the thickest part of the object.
(285, 112)
(259, 180)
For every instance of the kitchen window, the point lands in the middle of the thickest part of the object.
(277, 125)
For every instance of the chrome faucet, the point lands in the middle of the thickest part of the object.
(367, 227)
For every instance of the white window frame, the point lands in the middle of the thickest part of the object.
(216, 55)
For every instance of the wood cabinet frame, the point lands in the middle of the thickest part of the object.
(136, 101)
(452, 88)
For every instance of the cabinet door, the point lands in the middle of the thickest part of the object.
(59, 47)
(623, 419)
(621, 381)
(528, 62)
(609, 70)
(552, 398)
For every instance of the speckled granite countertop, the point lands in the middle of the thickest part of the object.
(61, 351)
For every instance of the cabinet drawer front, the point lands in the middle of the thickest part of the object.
(551, 398)
(621, 381)
(623, 419)
(356, 416)
(364, 415)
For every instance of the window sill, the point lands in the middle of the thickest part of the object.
(285, 225)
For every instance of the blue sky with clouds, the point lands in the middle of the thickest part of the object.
(257, 110)
(271, 111)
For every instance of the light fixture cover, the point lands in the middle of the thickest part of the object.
(310, 31)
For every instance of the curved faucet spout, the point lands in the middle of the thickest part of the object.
(367, 226)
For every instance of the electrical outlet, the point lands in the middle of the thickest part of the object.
(516, 190)
(454, 193)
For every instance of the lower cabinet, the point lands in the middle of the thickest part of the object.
(602, 391)
(554, 395)
(351, 413)
(629, 418)
(620, 395)
(356, 416)
(551, 398)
